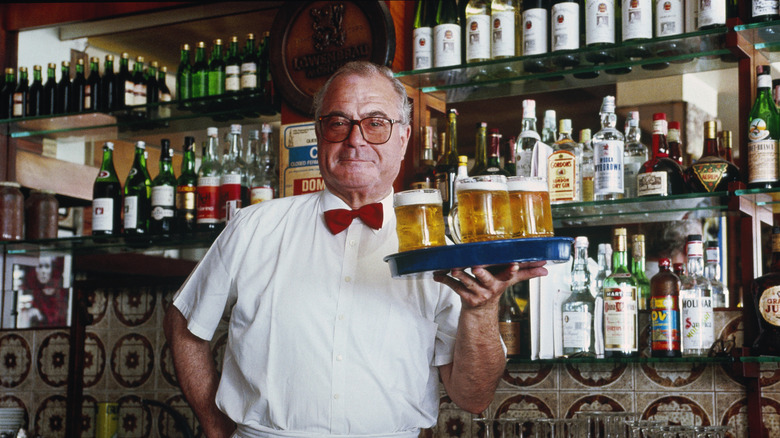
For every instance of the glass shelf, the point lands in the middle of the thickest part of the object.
(622, 360)
(645, 209)
(670, 56)
(760, 359)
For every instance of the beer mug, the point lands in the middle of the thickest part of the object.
(529, 201)
(483, 210)
(418, 219)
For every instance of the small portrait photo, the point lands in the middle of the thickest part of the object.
(43, 294)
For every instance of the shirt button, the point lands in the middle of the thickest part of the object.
(352, 242)
(341, 317)
(347, 279)
(339, 358)
(335, 396)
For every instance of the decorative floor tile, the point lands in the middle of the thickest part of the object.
(132, 360)
(689, 375)
(529, 375)
(688, 410)
(571, 403)
(52, 360)
(616, 376)
(526, 407)
(50, 417)
(15, 360)
(134, 306)
(135, 419)
(98, 304)
(452, 421)
(94, 360)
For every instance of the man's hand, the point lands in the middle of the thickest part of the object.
(482, 287)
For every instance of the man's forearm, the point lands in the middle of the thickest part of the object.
(197, 375)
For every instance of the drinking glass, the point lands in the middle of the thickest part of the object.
(419, 221)
(483, 211)
(529, 201)
(561, 428)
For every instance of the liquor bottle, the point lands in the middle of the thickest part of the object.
(604, 259)
(422, 37)
(138, 193)
(565, 31)
(634, 155)
(249, 65)
(675, 147)
(35, 95)
(425, 176)
(710, 173)
(600, 29)
(108, 86)
(216, 71)
(638, 271)
(125, 89)
(7, 94)
(477, 29)
(446, 35)
(660, 175)
(665, 312)
(165, 97)
(267, 81)
(447, 166)
(64, 93)
(510, 161)
(209, 173)
(50, 91)
(504, 16)
(200, 73)
(463, 169)
(669, 21)
(20, 94)
(549, 128)
(588, 165)
(764, 297)
(578, 310)
(564, 167)
(764, 10)
(78, 89)
(233, 68)
(184, 77)
(139, 87)
(637, 27)
(164, 193)
(679, 269)
(535, 33)
(480, 154)
(232, 186)
(524, 149)
(152, 86)
(725, 139)
(698, 332)
(92, 92)
(186, 190)
(107, 197)
(494, 156)
(621, 318)
(509, 323)
(763, 135)
(711, 14)
(720, 292)
(264, 183)
(608, 155)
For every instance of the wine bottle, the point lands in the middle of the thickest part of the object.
(608, 146)
(35, 95)
(20, 94)
(49, 100)
(565, 31)
(200, 73)
(138, 191)
(621, 317)
(446, 35)
(78, 89)
(535, 32)
(510, 324)
(637, 28)
(63, 103)
(711, 14)
(510, 160)
(638, 271)
(764, 10)
(107, 197)
(164, 193)
(124, 83)
(108, 87)
(600, 29)
(477, 29)
(92, 92)
(675, 147)
(480, 154)
(504, 16)
(165, 97)
(447, 166)
(216, 70)
(152, 86)
(422, 36)
(763, 135)
(233, 69)
(184, 78)
(139, 88)
(669, 21)
(249, 65)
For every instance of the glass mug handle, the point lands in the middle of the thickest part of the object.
(454, 224)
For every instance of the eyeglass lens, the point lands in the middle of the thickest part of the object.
(375, 130)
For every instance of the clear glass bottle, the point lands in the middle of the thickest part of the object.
(588, 166)
(608, 146)
(604, 259)
(578, 310)
(696, 297)
(621, 316)
(524, 149)
(720, 292)
(549, 128)
(233, 189)
(638, 270)
(207, 218)
(635, 155)
(564, 173)
(263, 182)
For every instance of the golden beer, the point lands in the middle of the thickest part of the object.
(483, 209)
(418, 219)
(529, 201)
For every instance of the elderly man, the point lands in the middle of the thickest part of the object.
(322, 341)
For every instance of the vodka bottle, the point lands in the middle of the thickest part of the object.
(577, 311)
(604, 259)
(696, 297)
(549, 128)
(608, 155)
(233, 190)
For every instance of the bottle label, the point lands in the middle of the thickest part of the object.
(185, 197)
(620, 313)
(765, 7)
(534, 31)
(525, 161)
(711, 13)
(103, 214)
(664, 323)
(697, 324)
(710, 173)
(229, 195)
(600, 21)
(423, 48)
(248, 76)
(769, 305)
(652, 184)
(18, 106)
(139, 94)
(232, 78)
(660, 127)
(88, 97)
(637, 19)
(478, 37)
(163, 196)
(562, 176)
(762, 153)
(576, 330)
(565, 28)
(669, 18)
(608, 176)
(713, 254)
(510, 334)
(208, 198)
(260, 194)
(131, 212)
(503, 34)
(446, 45)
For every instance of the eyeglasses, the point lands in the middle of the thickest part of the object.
(375, 130)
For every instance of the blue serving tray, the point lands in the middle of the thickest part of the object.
(466, 255)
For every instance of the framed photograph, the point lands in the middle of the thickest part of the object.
(41, 290)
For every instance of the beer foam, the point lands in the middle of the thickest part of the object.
(416, 198)
(480, 185)
(529, 185)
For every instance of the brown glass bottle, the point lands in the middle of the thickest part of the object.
(710, 173)
(665, 312)
(765, 293)
(660, 175)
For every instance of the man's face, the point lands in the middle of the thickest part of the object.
(355, 167)
(43, 270)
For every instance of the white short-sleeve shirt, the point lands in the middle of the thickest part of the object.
(322, 340)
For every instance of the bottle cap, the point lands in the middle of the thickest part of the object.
(481, 125)
(235, 129)
(254, 134)
(581, 241)
(266, 127)
(564, 126)
(109, 57)
(674, 125)
(140, 144)
(109, 145)
(694, 238)
(659, 116)
(549, 114)
(37, 67)
(139, 59)
(665, 262)
(453, 111)
(585, 135)
(529, 109)
(212, 131)
(52, 65)
(463, 159)
(185, 46)
(201, 44)
(24, 69)
(608, 104)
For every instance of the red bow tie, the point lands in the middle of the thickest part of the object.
(338, 220)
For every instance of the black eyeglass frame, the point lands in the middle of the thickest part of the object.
(353, 122)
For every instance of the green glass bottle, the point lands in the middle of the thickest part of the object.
(124, 83)
(20, 94)
(638, 270)
(480, 154)
(64, 95)
(619, 293)
(108, 87)
(78, 88)
(186, 190)
(138, 194)
(139, 88)
(93, 97)
(50, 90)
(216, 71)
(249, 64)
(107, 197)
(200, 73)
(763, 135)
(35, 95)
(233, 69)
(184, 78)
(164, 193)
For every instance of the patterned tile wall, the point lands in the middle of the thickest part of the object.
(128, 361)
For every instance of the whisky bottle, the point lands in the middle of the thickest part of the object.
(608, 146)
(621, 316)
(638, 270)
(665, 312)
(477, 30)
(765, 291)
(763, 135)
(720, 292)
(578, 310)
(711, 173)
(564, 174)
(480, 154)
(634, 155)
(527, 139)
(698, 332)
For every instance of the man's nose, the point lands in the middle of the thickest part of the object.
(355, 137)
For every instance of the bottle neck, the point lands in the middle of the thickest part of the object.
(108, 160)
(608, 120)
(184, 57)
(695, 265)
(166, 166)
(660, 147)
(37, 76)
(200, 55)
(140, 157)
(711, 147)
(235, 146)
(108, 69)
(580, 275)
(452, 140)
(188, 162)
(211, 149)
